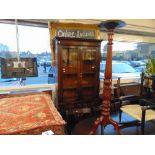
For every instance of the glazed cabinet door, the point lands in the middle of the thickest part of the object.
(89, 73)
(69, 74)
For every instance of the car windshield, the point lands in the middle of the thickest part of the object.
(119, 68)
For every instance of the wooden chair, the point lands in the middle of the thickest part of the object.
(140, 107)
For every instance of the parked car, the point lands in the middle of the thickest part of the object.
(47, 63)
(137, 63)
(122, 70)
(140, 68)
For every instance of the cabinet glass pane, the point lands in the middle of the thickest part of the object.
(88, 93)
(70, 81)
(88, 79)
(69, 60)
(89, 56)
(70, 95)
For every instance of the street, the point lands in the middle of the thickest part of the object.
(42, 77)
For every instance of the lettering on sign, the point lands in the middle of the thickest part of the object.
(89, 34)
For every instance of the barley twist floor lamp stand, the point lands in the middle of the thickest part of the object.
(105, 119)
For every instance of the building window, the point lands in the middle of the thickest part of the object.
(33, 42)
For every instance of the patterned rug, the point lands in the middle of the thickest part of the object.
(21, 114)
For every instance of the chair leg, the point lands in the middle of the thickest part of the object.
(137, 129)
(143, 122)
(102, 129)
(143, 128)
(120, 116)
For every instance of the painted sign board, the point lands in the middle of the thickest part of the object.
(76, 33)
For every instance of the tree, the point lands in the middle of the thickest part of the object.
(4, 47)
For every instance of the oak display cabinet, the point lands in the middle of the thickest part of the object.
(78, 62)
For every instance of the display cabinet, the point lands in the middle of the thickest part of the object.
(78, 62)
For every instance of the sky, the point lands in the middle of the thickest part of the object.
(121, 46)
(37, 40)
(33, 39)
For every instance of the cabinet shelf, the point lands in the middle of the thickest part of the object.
(88, 73)
(69, 88)
(89, 60)
(69, 73)
(88, 86)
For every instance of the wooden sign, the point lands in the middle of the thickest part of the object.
(77, 33)
(72, 30)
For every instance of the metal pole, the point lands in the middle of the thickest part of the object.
(17, 40)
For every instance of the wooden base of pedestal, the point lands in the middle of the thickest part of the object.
(104, 121)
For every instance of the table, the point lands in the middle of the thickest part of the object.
(29, 113)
